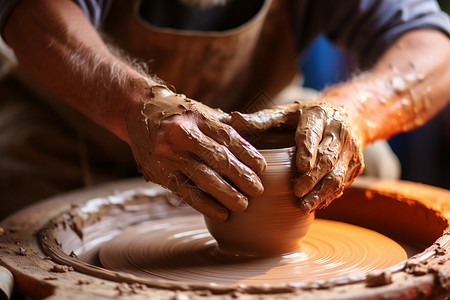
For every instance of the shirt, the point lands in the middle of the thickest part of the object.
(365, 27)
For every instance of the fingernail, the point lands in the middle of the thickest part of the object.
(304, 164)
(255, 189)
(305, 207)
(262, 164)
(302, 185)
(221, 215)
(258, 162)
(258, 186)
(241, 204)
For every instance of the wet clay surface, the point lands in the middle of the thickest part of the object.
(181, 144)
(181, 249)
(73, 226)
(329, 151)
(272, 224)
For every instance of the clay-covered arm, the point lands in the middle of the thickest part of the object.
(407, 86)
(177, 142)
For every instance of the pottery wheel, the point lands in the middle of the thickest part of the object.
(182, 249)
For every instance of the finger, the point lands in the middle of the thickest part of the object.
(329, 188)
(356, 164)
(329, 149)
(327, 155)
(226, 164)
(308, 135)
(197, 199)
(304, 183)
(333, 184)
(219, 158)
(243, 150)
(218, 114)
(212, 183)
(283, 116)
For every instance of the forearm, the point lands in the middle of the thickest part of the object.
(55, 42)
(406, 88)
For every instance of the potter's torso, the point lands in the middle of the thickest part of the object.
(235, 61)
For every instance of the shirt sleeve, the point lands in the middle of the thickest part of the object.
(366, 27)
(95, 10)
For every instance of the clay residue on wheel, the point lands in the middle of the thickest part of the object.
(182, 250)
(110, 215)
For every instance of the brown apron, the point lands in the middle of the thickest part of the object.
(55, 148)
(227, 69)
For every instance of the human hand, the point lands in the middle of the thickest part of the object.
(329, 156)
(182, 145)
(329, 151)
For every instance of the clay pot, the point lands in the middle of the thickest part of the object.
(272, 224)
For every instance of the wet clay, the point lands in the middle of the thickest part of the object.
(272, 224)
(74, 226)
(181, 249)
(182, 145)
(329, 150)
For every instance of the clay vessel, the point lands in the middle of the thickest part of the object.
(272, 224)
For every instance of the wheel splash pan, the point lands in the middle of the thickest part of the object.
(50, 247)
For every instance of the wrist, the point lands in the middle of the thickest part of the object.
(129, 97)
(341, 102)
(369, 103)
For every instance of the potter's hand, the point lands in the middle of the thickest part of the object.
(181, 144)
(329, 155)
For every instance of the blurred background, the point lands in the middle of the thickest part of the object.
(425, 152)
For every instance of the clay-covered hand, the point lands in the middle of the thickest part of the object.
(329, 156)
(182, 145)
(329, 152)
